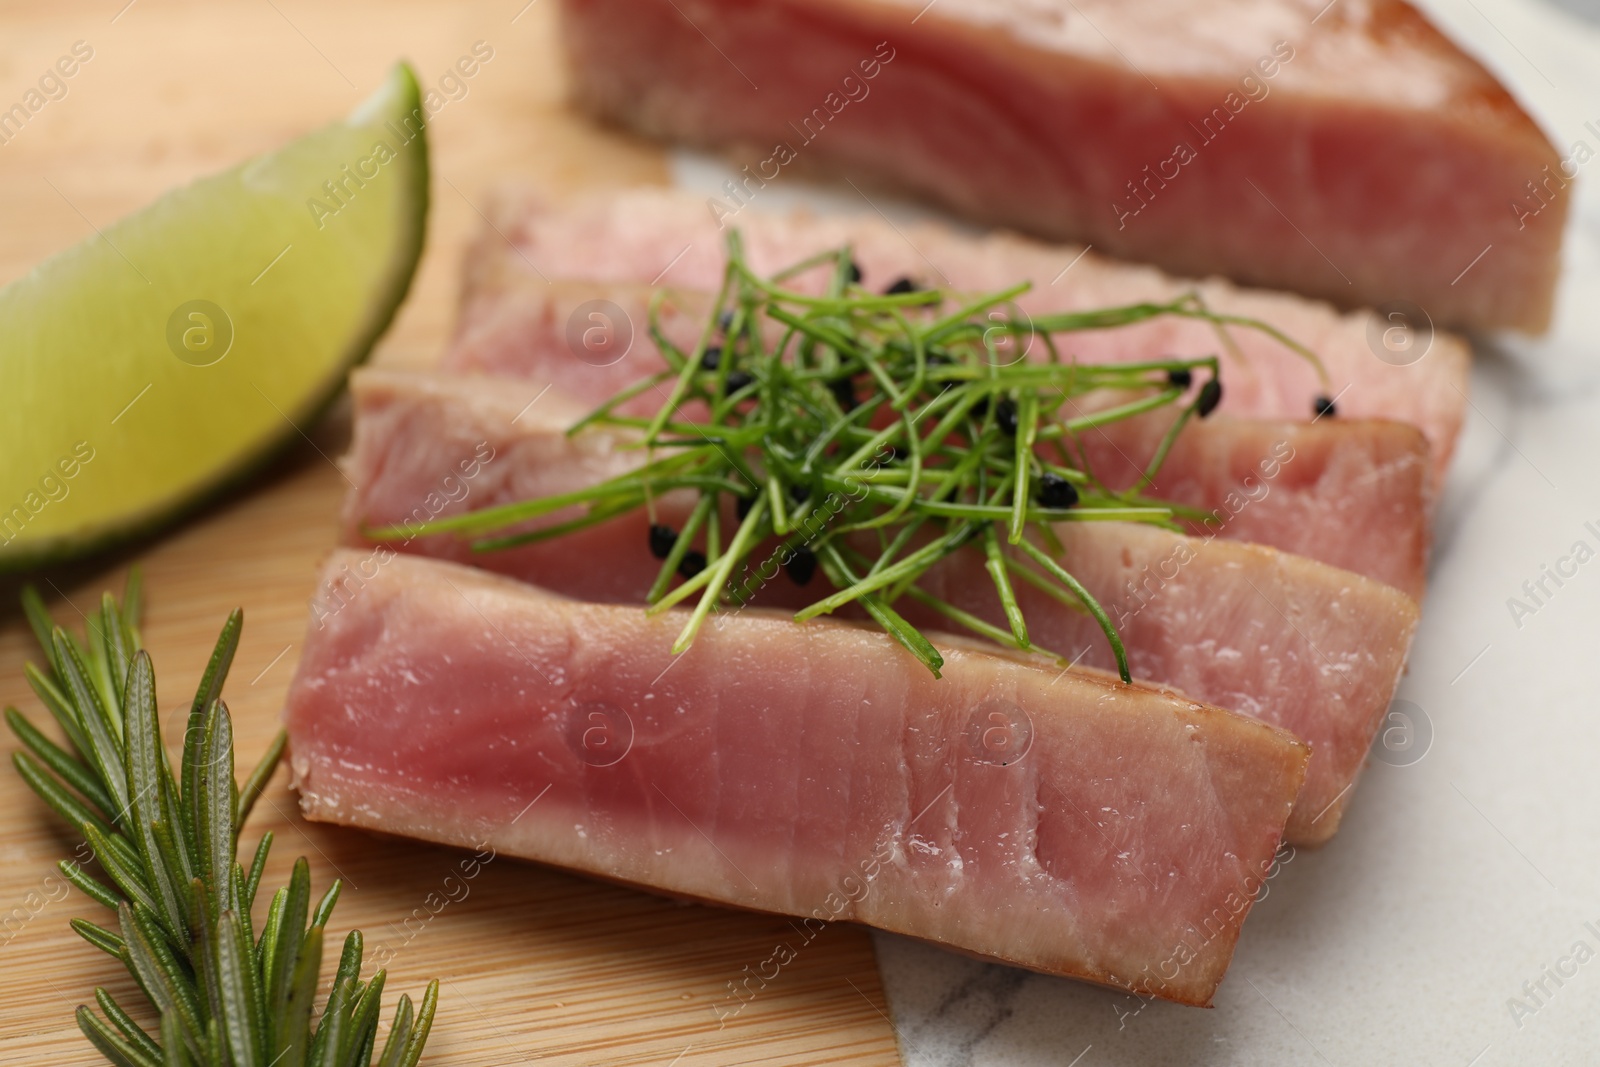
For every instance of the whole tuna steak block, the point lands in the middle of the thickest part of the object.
(1344, 150)
(1056, 820)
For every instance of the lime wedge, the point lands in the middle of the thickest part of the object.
(161, 359)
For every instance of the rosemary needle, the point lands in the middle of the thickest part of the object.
(228, 995)
(909, 418)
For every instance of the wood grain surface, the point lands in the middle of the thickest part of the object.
(536, 965)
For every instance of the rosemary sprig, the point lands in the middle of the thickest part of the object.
(837, 418)
(228, 995)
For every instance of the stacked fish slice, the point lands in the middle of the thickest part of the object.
(1031, 810)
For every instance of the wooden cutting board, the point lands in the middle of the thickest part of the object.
(535, 964)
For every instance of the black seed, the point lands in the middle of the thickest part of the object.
(662, 538)
(1056, 492)
(737, 381)
(799, 493)
(1210, 397)
(693, 562)
(742, 506)
(855, 272)
(1181, 378)
(844, 391)
(1005, 413)
(903, 285)
(981, 407)
(712, 358)
(801, 566)
(725, 320)
(1324, 406)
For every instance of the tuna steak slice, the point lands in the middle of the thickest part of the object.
(1347, 151)
(1356, 494)
(658, 236)
(1351, 494)
(1313, 649)
(1063, 822)
(1316, 650)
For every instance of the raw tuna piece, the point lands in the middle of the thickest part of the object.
(429, 445)
(1348, 151)
(656, 236)
(1353, 493)
(1060, 821)
(591, 338)
(1301, 645)
(1316, 650)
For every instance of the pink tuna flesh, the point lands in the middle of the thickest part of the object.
(1378, 368)
(1353, 493)
(1348, 151)
(1313, 649)
(1062, 822)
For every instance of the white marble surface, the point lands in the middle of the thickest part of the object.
(1461, 876)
